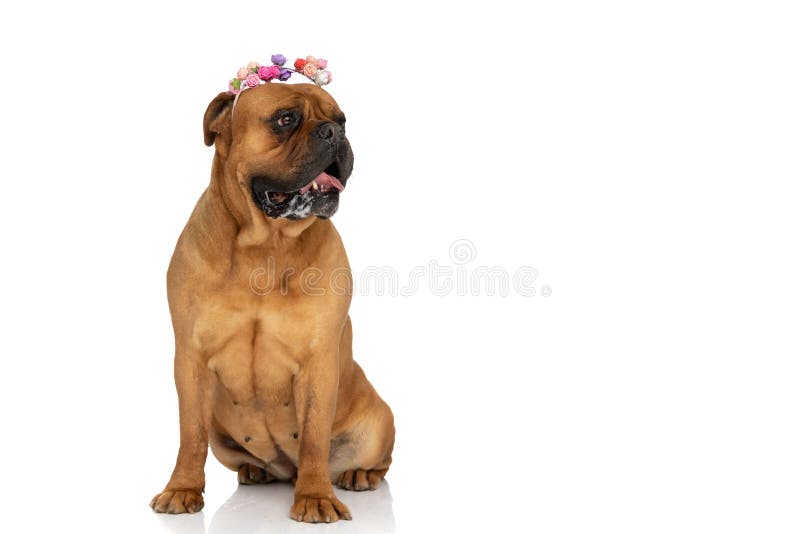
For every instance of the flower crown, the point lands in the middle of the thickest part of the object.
(254, 74)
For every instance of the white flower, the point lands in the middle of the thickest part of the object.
(321, 77)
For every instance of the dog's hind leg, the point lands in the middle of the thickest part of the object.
(250, 470)
(361, 456)
(231, 454)
(361, 479)
(250, 474)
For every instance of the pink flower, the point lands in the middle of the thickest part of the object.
(252, 80)
(311, 59)
(330, 76)
(253, 66)
(322, 63)
(242, 74)
(310, 69)
(269, 73)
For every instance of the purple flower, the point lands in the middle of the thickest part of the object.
(278, 59)
(285, 74)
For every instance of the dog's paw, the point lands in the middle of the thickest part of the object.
(313, 510)
(360, 479)
(250, 474)
(178, 501)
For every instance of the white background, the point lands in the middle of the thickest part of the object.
(641, 156)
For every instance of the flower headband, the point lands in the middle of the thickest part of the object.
(254, 74)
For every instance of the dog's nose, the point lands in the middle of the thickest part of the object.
(325, 131)
(328, 131)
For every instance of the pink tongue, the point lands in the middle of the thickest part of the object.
(325, 182)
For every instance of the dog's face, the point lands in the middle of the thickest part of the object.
(285, 145)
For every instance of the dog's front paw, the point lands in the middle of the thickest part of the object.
(178, 501)
(318, 510)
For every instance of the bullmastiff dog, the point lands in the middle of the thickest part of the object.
(263, 342)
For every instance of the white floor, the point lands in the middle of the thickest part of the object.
(257, 509)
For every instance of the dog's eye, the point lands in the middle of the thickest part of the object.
(287, 119)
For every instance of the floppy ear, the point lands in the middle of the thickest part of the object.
(218, 117)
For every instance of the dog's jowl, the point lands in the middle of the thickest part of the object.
(266, 378)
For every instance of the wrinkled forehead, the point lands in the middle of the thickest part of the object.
(263, 101)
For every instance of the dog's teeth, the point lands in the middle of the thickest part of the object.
(314, 186)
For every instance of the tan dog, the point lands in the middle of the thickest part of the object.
(265, 373)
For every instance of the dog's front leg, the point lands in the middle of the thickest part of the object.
(315, 388)
(195, 384)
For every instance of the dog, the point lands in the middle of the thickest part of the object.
(266, 377)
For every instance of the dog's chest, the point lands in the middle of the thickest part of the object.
(251, 360)
(256, 348)
(257, 340)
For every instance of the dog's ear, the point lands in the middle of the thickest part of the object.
(217, 119)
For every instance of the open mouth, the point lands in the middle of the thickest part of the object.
(324, 183)
(320, 197)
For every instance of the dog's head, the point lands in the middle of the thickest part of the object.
(284, 146)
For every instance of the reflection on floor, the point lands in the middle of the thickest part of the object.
(265, 509)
